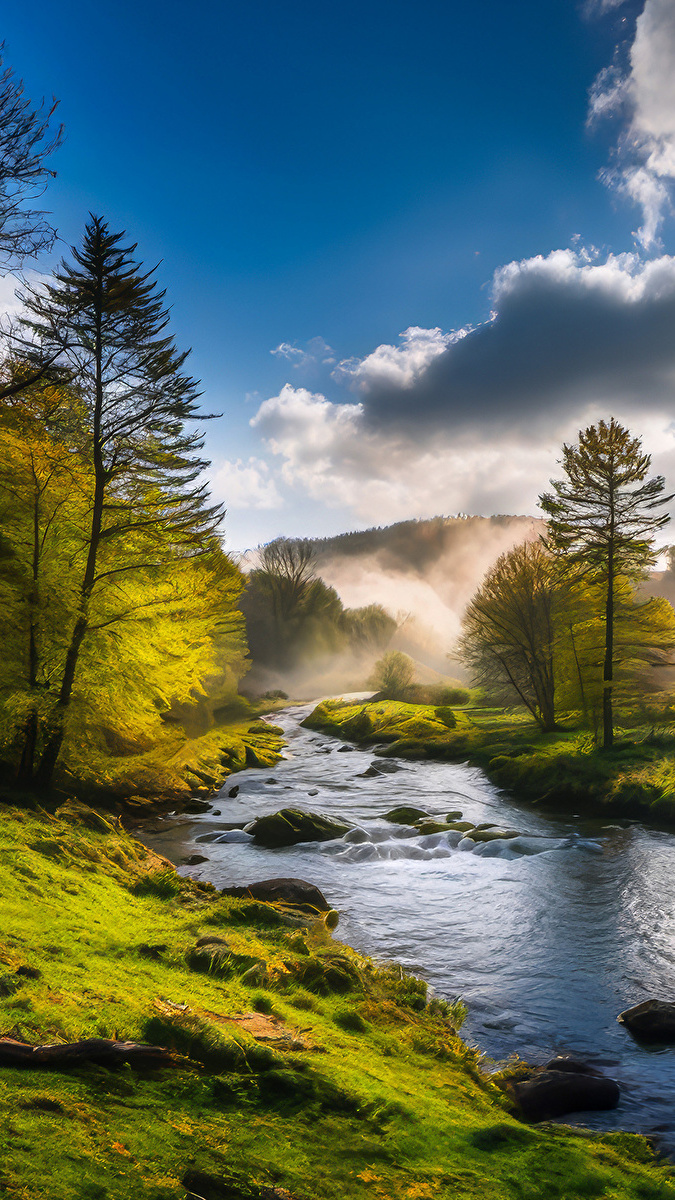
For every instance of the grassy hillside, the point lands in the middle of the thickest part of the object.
(307, 1068)
(637, 777)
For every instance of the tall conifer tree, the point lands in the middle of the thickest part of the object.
(103, 320)
(603, 516)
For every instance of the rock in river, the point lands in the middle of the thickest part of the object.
(406, 815)
(283, 891)
(565, 1086)
(292, 825)
(653, 1020)
(386, 766)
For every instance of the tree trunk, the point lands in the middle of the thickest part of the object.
(608, 671)
(58, 722)
(26, 767)
(57, 729)
(584, 704)
(24, 774)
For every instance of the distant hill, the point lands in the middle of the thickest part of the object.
(423, 571)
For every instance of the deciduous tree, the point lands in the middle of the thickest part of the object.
(508, 631)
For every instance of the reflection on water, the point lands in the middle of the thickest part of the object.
(546, 939)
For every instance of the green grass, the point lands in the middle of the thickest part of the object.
(381, 1100)
(564, 768)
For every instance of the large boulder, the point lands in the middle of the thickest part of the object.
(292, 825)
(653, 1020)
(565, 1086)
(284, 891)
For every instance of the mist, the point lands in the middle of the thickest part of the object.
(423, 573)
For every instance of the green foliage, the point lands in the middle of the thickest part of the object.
(119, 595)
(508, 631)
(165, 641)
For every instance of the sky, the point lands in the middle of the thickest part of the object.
(413, 248)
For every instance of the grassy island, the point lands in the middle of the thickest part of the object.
(565, 767)
(300, 1068)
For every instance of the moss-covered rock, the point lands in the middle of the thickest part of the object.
(492, 835)
(406, 814)
(292, 825)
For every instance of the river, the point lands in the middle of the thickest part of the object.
(545, 948)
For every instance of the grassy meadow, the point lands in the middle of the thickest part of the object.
(307, 1068)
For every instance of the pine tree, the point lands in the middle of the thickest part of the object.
(603, 516)
(102, 320)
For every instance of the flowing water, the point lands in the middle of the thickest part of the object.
(546, 939)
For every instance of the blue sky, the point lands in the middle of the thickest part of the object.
(322, 177)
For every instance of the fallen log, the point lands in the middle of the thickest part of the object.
(103, 1052)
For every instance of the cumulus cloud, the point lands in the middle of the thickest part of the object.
(644, 94)
(331, 453)
(473, 421)
(567, 330)
(243, 484)
(400, 365)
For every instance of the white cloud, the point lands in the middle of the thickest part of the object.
(400, 365)
(242, 484)
(316, 352)
(645, 95)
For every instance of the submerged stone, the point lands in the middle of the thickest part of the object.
(493, 835)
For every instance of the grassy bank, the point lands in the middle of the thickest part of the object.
(636, 778)
(341, 1082)
(175, 770)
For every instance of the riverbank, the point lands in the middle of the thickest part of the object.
(176, 772)
(562, 769)
(311, 1070)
